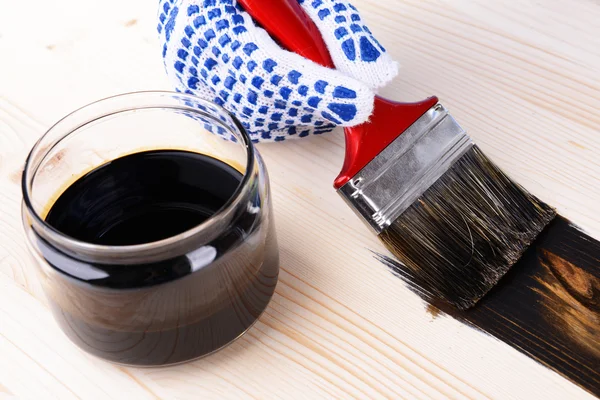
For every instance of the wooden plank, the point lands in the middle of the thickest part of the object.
(547, 306)
(522, 77)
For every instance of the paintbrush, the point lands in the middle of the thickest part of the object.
(414, 176)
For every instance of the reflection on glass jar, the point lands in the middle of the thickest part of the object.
(150, 217)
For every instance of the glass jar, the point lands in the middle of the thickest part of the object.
(167, 301)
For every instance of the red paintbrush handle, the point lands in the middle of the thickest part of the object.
(288, 23)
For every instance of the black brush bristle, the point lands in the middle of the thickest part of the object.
(466, 231)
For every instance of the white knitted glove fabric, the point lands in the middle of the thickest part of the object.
(214, 50)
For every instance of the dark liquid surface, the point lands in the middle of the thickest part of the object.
(144, 197)
(176, 309)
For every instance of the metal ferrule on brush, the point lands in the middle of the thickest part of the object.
(405, 169)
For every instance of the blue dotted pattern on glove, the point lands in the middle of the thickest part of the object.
(204, 46)
(223, 128)
(356, 40)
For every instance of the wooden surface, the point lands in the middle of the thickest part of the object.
(547, 306)
(521, 76)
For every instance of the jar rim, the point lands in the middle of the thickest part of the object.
(156, 250)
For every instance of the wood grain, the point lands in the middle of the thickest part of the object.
(547, 306)
(522, 77)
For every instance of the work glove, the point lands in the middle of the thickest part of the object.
(214, 50)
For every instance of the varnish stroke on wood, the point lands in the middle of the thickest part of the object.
(547, 306)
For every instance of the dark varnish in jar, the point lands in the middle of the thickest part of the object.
(144, 197)
(175, 309)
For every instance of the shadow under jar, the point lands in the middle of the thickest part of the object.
(150, 217)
